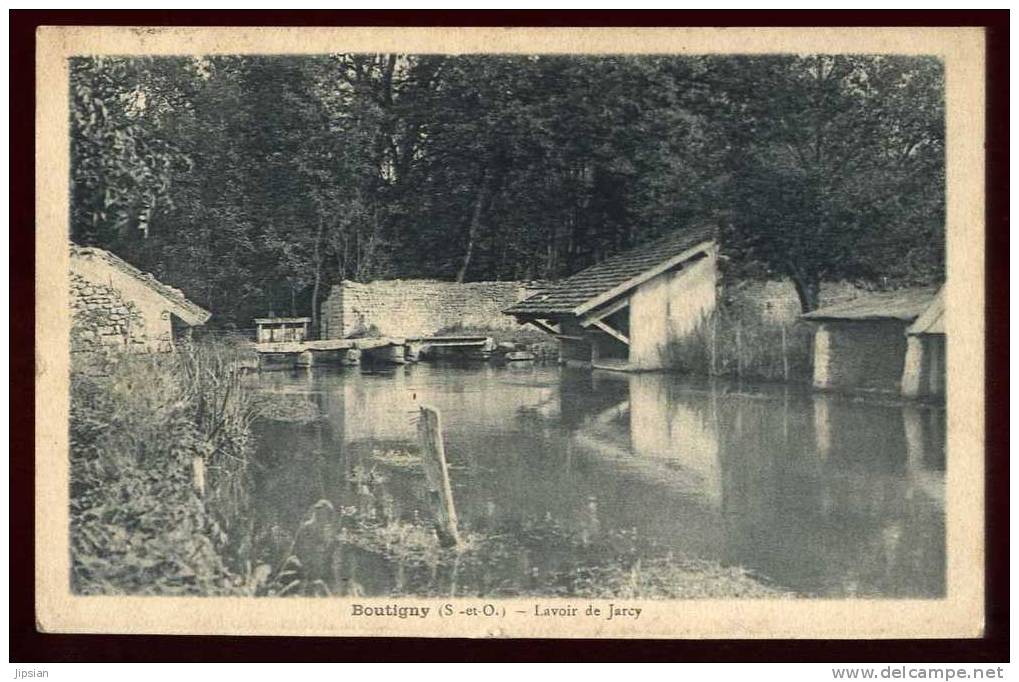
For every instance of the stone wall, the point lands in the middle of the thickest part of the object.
(101, 292)
(102, 319)
(418, 307)
(776, 300)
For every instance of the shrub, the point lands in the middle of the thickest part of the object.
(138, 524)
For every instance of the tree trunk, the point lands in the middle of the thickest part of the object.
(318, 277)
(475, 226)
(808, 289)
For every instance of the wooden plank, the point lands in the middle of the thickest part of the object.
(650, 273)
(614, 365)
(602, 313)
(301, 346)
(433, 459)
(545, 326)
(443, 339)
(611, 332)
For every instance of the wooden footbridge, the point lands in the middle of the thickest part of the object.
(384, 349)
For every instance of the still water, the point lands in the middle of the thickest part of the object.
(815, 494)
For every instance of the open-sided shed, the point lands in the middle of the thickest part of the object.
(923, 373)
(861, 344)
(623, 312)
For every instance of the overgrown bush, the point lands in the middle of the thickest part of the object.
(138, 425)
(744, 345)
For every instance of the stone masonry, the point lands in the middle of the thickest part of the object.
(776, 301)
(102, 319)
(418, 307)
(115, 305)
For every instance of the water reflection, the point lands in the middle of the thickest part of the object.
(820, 494)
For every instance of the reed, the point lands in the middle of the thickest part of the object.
(743, 345)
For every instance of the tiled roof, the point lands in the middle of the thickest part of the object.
(611, 273)
(904, 304)
(191, 313)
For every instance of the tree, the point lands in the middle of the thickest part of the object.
(836, 164)
(120, 164)
(253, 182)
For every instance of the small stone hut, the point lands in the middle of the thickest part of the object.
(623, 312)
(861, 344)
(116, 305)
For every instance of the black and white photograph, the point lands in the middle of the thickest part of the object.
(531, 335)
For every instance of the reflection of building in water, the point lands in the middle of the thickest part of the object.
(830, 494)
(849, 502)
(383, 408)
(822, 493)
(675, 433)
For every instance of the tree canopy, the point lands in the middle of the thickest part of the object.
(252, 183)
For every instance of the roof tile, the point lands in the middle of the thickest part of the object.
(610, 273)
(904, 304)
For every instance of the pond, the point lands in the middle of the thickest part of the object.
(563, 478)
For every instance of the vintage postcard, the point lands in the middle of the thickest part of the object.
(610, 333)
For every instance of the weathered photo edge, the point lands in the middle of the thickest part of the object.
(959, 615)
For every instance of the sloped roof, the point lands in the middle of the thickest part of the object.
(904, 304)
(178, 304)
(932, 320)
(613, 276)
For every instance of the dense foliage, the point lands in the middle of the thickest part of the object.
(137, 424)
(254, 182)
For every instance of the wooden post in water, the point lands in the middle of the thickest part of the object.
(433, 458)
(198, 474)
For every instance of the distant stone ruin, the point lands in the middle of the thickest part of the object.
(417, 308)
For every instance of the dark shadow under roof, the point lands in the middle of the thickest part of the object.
(602, 278)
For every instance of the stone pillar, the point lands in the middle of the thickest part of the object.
(912, 367)
(822, 357)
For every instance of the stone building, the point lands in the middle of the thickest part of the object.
(115, 305)
(861, 344)
(623, 312)
(417, 307)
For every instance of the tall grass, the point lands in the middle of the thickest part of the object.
(741, 344)
(139, 424)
